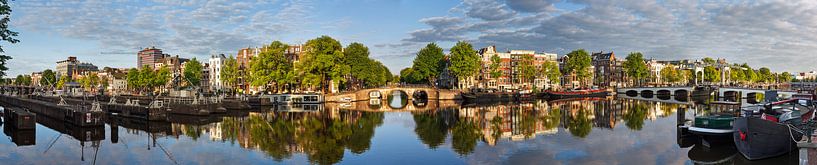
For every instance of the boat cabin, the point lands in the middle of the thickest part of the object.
(297, 99)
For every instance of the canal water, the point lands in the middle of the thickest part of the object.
(583, 131)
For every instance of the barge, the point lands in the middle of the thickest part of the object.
(79, 115)
(19, 118)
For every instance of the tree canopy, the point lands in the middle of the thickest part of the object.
(527, 68)
(785, 77)
(5, 35)
(192, 72)
(429, 62)
(551, 71)
(49, 78)
(670, 74)
(464, 60)
(229, 72)
(366, 72)
(578, 64)
(271, 67)
(635, 67)
(711, 74)
(494, 67)
(322, 63)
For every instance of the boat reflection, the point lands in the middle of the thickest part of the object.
(329, 133)
(20, 137)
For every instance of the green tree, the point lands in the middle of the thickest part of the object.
(750, 74)
(22, 80)
(670, 74)
(688, 75)
(635, 67)
(132, 79)
(322, 63)
(192, 72)
(89, 82)
(737, 75)
(527, 69)
(785, 77)
(464, 61)
(551, 71)
(63, 80)
(229, 72)
(765, 75)
(5, 34)
(429, 63)
(709, 61)
(711, 74)
(270, 67)
(145, 79)
(578, 64)
(407, 75)
(49, 78)
(496, 62)
(162, 77)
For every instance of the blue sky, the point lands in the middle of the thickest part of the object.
(772, 33)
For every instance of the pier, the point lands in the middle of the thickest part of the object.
(79, 115)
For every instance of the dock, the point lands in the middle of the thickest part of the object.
(78, 115)
(19, 118)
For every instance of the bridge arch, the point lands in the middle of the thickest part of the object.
(647, 93)
(402, 102)
(631, 93)
(731, 94)
(681, 92)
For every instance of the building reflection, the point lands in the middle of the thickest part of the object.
(20, 137)
(323, 133)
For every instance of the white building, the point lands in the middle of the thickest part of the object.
(216, 61)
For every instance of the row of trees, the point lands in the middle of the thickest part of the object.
(463, 62)
(636, 68)
(430, 63)
(324, 61)
(147, 79)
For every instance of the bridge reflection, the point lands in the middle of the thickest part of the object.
(324, 134)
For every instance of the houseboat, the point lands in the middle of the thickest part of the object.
(375, 95)
(297, 99)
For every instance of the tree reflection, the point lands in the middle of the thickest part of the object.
(635, 116)
(319, 135)
(464, 137)
(580, 124)
(551, 119)
(432, 128)
(527, 122)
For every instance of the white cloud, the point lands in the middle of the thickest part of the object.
(190, 28)
(759, 32)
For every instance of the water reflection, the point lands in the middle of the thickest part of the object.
(577, 131)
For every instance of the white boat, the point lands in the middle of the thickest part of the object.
(297, 99)
(375, 95)
(374, 102)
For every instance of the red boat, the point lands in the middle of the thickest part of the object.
(576, 93)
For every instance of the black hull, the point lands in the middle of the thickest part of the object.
(756, 138)
(567, 96)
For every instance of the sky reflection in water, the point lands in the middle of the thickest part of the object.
(607, 131)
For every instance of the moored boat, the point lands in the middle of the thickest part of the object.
(758, 138)
(714, 124)
(772, 129)
(577, 93)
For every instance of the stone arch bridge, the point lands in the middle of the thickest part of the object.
(687, 91)
(363, 94)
